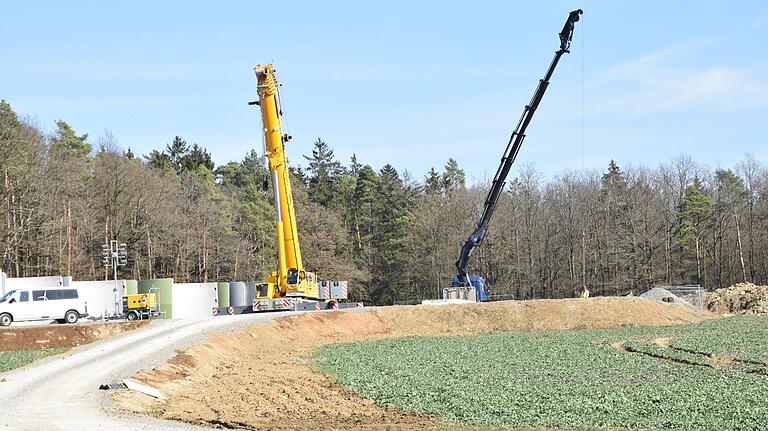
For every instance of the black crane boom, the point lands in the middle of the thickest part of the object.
(513, 147)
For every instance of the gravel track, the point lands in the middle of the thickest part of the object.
(61, 392)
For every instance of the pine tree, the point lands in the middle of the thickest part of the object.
(391, 211)
(175, 152)
(197, 156)
(65, 139)
(354, 166)
(432, 182)
(159, 160)
(363, 199)
(453, 177)
(323, 169)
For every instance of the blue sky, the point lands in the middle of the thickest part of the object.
(402, 82)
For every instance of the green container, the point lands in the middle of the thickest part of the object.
(222, 288)
(164, 291)
(131, 287)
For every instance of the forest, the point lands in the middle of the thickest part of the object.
(393, 235)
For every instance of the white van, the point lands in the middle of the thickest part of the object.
(61, 304)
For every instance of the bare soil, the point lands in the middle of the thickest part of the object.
(58, 335)
(741, 298)
(262, 377)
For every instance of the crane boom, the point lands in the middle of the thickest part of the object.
(513, 147)
(290, 279)
(291, 287)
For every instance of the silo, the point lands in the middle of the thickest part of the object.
(237, 294)
(223, 291)
(164, 289)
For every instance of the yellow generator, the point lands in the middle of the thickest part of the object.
(140, 306)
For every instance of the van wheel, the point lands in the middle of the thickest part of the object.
(132, 315)
(71, 316)
(5, 319)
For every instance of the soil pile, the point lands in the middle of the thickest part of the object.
(742, 298)
(663, 295)
(57, 335)
(262, 377)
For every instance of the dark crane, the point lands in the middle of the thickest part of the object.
(463, 279)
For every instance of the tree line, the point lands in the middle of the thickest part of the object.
(393, 236)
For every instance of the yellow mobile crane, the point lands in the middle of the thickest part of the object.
(291, 287)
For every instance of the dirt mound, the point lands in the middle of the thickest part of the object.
(663, 295)
(56, 335)
(742, 298)
(535, 315)
(262, 377)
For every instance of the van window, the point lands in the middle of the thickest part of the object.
(38, 295)
(56, 294)
(7, 295)
(24, 296)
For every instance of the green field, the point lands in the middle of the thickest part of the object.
(19, 358)
(707, 376)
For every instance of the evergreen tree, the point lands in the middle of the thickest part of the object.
(391, 211)
(354, 166)
(159, 160)
(10, 126)
(363, 199)
(453, 176)
(66, 140)
(195, 157)
(323, 170)
(432, 182)
(175, 152)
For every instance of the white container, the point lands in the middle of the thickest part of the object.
(193, 299)
(103, 298)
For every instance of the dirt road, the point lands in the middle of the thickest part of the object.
(61, 392)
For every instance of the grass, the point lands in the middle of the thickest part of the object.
(707, 376)
(18, 358)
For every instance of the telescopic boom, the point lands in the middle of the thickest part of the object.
(513, 147)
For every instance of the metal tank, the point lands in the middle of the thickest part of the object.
(237, 294)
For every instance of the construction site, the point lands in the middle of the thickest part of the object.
(173, 292)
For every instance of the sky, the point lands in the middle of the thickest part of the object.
(410, 83)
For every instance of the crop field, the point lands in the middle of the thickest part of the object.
(703, 376)
(18, 358)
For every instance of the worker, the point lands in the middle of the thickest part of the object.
(584, 292)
